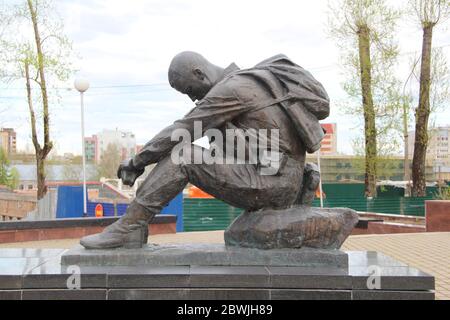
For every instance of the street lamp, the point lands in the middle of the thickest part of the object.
(82, 85)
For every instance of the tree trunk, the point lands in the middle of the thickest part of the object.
(369, 112)
(422, 116)
(406, 175)
(41, 153)
(42, 188)
(40, 162)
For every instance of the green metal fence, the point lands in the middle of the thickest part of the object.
(207, 214)
(393, 205)
(213, 214)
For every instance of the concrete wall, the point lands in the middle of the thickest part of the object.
(46, 208)
(438, 215)
(437, 219)
(16, 206)
(21, 231)
(388, 228)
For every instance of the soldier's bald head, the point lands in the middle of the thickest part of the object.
(190, 73)
(184, 63)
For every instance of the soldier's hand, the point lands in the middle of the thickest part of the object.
(128, 173)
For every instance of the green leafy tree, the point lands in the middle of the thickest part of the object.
(443, 193)
(428, 14)
(8, 176)
(364, 31)
(439, 97)
(109, 162)
(39, 58)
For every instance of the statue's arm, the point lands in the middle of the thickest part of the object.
(152, 152)
(160, 145)
(218, 107)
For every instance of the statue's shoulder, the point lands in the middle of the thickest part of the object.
(239, 81)
(269, 68)
(230, 86)
(276, 59)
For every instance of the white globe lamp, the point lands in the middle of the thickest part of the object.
(81, 84)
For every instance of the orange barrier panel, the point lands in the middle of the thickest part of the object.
(198, 193)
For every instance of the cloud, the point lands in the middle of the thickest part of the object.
(133, 42)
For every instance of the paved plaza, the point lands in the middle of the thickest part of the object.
(429, 252)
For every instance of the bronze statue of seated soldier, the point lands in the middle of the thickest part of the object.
(276, 94)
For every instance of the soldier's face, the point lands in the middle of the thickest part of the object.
(195, 84)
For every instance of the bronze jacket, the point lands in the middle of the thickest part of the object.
(251, 99)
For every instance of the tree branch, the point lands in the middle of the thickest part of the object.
(48, 37)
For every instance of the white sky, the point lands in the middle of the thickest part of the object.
(132, 43)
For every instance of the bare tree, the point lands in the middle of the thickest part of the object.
(428, 13)
(72, 172)
(364, 30)
(39, 53)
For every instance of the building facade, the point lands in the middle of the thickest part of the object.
(329, 143)
(139, 147)
(346, 168)
(438, 145)
(8, 140)
(96, 145)
(91, 149)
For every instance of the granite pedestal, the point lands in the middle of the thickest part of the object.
(205, 254)
(39, 274)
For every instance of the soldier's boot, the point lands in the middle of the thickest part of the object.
(130, 231)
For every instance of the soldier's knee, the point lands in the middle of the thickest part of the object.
(188, 156)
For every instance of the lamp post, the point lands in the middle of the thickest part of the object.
(320, 178)
(82, 85)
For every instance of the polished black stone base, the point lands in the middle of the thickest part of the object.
(154, 255)
(38, 274)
